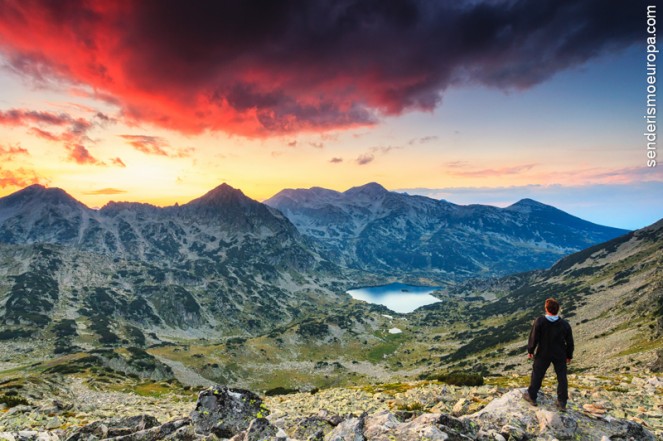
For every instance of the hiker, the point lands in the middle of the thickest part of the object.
(552, 339)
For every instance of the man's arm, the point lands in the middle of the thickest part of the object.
(568, 339)
(533, 341)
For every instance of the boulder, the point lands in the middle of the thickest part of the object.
(113, 428)
(224, 411)
(311, 428)
(351, 429)
(260, 429)
(160, 432)
(513, 418)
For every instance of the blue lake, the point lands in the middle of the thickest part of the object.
(396, 296)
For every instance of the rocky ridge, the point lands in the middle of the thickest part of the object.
(377, 230)
(408, 411)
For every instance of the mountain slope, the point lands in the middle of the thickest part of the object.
(374, 229)
(611, 293)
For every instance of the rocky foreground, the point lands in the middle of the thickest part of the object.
(415, 412)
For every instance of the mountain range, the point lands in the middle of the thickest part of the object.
(227, 290)
(226, 265)
(222, 263)
(396, 234)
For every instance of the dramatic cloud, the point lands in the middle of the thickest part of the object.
(154, 145)
(267, 68)
(18, 178)
(105, 191)
(8, 153)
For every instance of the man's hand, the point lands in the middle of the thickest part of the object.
(530, 356)
(568, 361)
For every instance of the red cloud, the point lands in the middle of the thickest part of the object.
(18, 178)
(8, 153)
(262, 68)
(73, 132)
(81, 155)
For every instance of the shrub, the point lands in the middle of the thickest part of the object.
(460, 379)
(12, 400)
(280, 391)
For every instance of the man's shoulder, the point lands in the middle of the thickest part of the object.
(539, 320)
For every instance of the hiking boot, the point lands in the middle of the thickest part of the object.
(529, 399)
(561, 405)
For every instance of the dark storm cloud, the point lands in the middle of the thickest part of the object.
(261, 68)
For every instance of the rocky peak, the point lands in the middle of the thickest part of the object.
(222, 195)
(372, 189)
(528, 205)
(39, 195)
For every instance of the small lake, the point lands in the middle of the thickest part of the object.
(396, 296)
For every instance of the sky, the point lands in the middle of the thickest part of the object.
(481, 101)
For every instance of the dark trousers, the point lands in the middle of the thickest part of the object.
(539, 369)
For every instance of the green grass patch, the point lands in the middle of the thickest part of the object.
(379, 352)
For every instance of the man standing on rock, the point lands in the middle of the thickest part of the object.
(552, 339)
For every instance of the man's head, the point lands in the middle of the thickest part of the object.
(552, 306)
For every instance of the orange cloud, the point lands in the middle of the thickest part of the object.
(105, 191)
(18, 178)
(79, 154)
(8, 153)
(73, 133)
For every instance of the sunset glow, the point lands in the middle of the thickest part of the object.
(161, 101)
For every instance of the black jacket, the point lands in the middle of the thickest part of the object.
(552, 340)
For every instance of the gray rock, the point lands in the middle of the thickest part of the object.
(224, 412)
(351, 429)
(380, 424)
(422, 427)
(114, 428)
(513, 418)
(553, 423)
(160, 432)
(260, 429)
(311, 428)
(53, 423)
